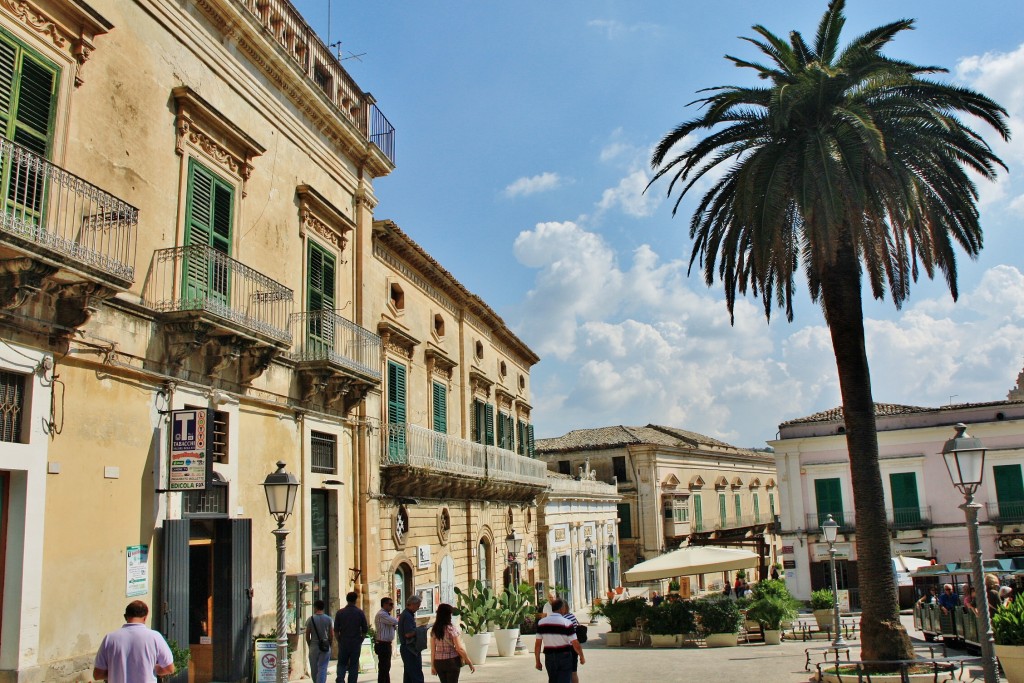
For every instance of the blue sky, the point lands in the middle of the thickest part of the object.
(523, 137)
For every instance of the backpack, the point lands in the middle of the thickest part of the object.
(420, 644)
(581, 633)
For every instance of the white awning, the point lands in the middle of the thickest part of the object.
(692, 560)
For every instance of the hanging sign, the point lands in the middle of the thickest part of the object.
(191, 450)
(137, 571)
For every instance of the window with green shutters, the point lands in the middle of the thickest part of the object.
(489, 424)
(209, 216)
(828, 496)
(757, 510)
(320, 280)
(523, 441)
(1009, 492)
(439, 404)
(906, 510)
(698, 513)
(504, 432)
(771, 505)
(396, 411)
(738, 504)
(28, 104)
(722, 514)
(531, 449)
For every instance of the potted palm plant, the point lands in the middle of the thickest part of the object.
(720, 620)
(822, 605)
(770, 611)
(476, 607)
(1008, 628)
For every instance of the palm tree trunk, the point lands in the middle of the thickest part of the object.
(882, 635)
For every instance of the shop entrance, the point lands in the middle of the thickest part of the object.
(206, 584)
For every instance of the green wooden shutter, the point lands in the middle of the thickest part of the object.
(489, 424)
(738, 502)
(475, 421)
(757, 510)
(440, 408)
(320, 279)
(501, 430)
(1009, 492)
(906, 511)
(698, 513)
(209, 209)
(396, 412)
(532, 450)
(722, 514)
(771, 505)
(521, 436)
(828, 496)
(625, 521)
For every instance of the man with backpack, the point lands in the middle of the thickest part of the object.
(318, 642)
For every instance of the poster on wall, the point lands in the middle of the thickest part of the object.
(137, 570)
(265, 660)
(191, 450)
(426, 596)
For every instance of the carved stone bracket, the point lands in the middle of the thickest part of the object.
(254, 361)
(504, 399)
(480, 384)
(182, 339)
(396, 339)
(21, 279)
(438, 363)
(77, 302)
(336, 387)
(318, 215)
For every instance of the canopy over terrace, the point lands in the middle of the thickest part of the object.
(692, 560)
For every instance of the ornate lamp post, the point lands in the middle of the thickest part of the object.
(829, 529)
(965, 461)
(281, 488)
(590, 566)
(514, 543)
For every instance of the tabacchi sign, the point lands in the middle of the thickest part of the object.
(190, 450)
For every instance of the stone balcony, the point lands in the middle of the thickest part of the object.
(65, 244)
(335, 359)
(417, 462)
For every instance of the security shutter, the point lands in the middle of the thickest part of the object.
(173, 615)
(232, 604)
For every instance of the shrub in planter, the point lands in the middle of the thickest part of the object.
(622, 614)
(670, 618)
(1008, 627)
(822, 599)
(770, 611)
(673, 586)
(772, 587)
(718, 614)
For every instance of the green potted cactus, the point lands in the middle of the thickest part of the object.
(476, 607)
(514, 604)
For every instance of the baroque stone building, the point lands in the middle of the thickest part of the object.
(678, 487)
(188, 206)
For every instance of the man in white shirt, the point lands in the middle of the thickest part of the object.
(134, 653)
(556, 636)
(385, 624)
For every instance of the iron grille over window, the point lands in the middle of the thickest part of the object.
(210, 502)
(324, 449)
(12, 403)
(220, 436)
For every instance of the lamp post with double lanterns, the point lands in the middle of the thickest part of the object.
(281, 488)
(830, 529)
(514, 543)
(965, 462)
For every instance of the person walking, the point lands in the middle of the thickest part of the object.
(556, 637)
(576, 628)
(447, 653)
(384, 623)
(350, 629)
(411, 660)
(134, 653)
(318, 630)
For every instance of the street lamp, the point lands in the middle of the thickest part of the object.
(514, 543)
(829, 529)
(281, 488)
(589, 563)
(965, 462)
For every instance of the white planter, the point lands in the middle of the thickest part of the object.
(1011, 658)
(721, 640)
(825, 618)
(772, 637)
(476, 647)
(506, 640)
(664, 641)
(613, 639)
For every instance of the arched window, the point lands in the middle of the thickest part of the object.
(483, 562)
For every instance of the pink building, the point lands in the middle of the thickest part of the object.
(922, 505)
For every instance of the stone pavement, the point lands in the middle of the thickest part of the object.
(755, 662)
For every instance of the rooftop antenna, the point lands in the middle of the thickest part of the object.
(336, 46)
(952, 396)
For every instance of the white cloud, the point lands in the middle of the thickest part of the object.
(614, 29)
(629, 196)
(524, 187)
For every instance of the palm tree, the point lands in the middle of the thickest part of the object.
(857, 165)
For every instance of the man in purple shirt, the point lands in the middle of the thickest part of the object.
(134, 653)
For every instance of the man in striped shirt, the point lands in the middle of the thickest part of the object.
(556, 635)
(384, 624)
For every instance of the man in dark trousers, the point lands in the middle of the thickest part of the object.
(411, 659)
(350, 629)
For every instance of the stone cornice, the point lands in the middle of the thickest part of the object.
(480, 383)
(438, 362)
(396, 338)
(321, 217)
(71, 26)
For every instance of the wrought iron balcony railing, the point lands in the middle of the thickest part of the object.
(326, 336)
(301, 43)
(909, 518)
(1006, 512)
(201, 278)
(740, 522)
(54, 209)
(844, 518)
(415, 446)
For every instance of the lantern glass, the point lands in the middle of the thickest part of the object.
(830, 529)
(281, 488)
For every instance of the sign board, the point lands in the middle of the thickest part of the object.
(265, 660)
(819, 551)
(137, 570)
(789, 564)
(423, 557)
(787, 550)
(844, 600)
(426, 596)
(191, 450)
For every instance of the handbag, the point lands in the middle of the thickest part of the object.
(323, 643)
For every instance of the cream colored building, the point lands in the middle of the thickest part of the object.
(188, 217)
(451, 477)
(678, 487)
(576, 547)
